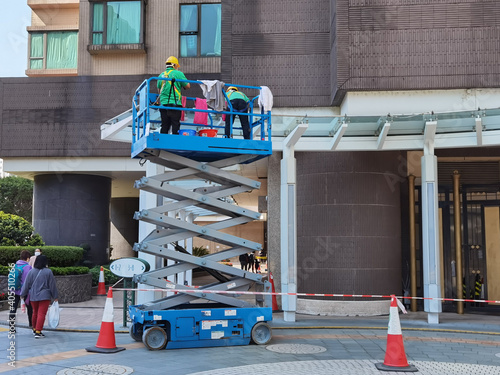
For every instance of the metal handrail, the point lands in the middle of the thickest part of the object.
(144, 101)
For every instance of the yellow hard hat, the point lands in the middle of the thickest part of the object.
(172, 60)
(232, 88)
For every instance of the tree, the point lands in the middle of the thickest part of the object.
(16, 231)
(16, 196)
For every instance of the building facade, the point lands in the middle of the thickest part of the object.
(357, 211)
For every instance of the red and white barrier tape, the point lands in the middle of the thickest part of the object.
(200, 291)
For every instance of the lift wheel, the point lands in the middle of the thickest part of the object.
(155, 338)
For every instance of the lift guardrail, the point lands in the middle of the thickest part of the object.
(144, 102)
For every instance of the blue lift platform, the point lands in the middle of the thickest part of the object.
(211, 315)
(146, 120)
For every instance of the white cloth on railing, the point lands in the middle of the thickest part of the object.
(266, 98)
(212, 91)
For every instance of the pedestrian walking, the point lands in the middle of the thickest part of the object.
(21, 270)
(40, 285)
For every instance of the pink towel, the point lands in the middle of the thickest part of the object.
(183, 102)
(200, 117)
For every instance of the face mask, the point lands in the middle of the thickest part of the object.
(37, 253)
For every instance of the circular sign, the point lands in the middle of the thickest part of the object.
(128, 267)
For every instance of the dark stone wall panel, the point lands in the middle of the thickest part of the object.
(280, 16)
(373, 162)
(409, 45)
(319, 220)
(348, 281)
(74, 209)
(358, 227)
(287, 75)
(377, 220)
(61, 116)
(316, 192)
(381, 192)
(422, 15)
(346, 252)
(282, 44)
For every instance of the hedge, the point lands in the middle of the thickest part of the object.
(59, 256)
(4, 270)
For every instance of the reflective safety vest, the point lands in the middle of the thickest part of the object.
(237, 95)
(166, 74)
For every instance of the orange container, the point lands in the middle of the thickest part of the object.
(208, 133)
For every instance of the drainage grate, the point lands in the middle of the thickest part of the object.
(102, 369)
(296, 348)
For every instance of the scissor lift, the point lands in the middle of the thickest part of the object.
(211, 315)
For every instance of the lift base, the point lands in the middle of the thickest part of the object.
(207, 326)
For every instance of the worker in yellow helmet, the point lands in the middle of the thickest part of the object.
(239, 102)
(170, 96)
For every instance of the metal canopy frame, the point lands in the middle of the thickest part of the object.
(365, 133)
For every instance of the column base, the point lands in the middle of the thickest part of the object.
(433, 318)
(289, 316)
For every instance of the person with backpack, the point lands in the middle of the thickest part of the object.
(41, 286)
(18, 276)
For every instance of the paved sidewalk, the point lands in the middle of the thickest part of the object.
(461, 344)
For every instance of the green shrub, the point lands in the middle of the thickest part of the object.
(16, 231)
(59, 256)
(109, 277)
(16, 196)
(199, 251)
(4, 270)
(69, 270)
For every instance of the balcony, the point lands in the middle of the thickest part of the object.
(53, 4)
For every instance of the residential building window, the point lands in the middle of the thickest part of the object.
(53, 50)
(116, 22)
(200, 30)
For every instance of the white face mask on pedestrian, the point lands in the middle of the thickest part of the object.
(37, 253)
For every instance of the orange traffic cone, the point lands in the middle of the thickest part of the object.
(101, 288)
(395, 357)
(275, 302)
(106, 341)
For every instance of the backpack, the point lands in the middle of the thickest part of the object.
(15, 276)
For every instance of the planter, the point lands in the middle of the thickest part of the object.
(4, 305)
(72, 288)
